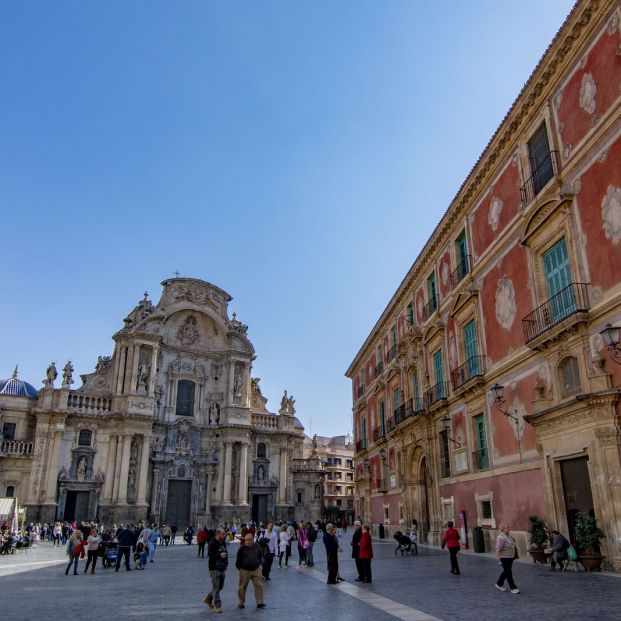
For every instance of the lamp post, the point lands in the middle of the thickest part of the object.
(498, 392)
(612, 336)
(446, 425)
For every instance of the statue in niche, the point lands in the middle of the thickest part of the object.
(188, 333)
(133, 453)
(261, 473)
(182, 439)
(50, 375)
(144, 373)
(67, 374)
(214, 413)
(131, 479)
(81, 469)
(237, 386)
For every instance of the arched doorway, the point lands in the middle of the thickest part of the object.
(418, 492)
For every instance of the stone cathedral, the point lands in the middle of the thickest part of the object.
(172, 427)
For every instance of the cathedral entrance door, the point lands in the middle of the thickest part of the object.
(576, 490)
(259, 508)
(178, 503)
(76, 506)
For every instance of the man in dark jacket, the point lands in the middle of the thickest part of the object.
(355, 549)
(249, 561)
(559, 555)
(126, 540)
(218, 562)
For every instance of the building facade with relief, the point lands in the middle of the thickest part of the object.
(339, 488)
(511, 292)
(171, 427)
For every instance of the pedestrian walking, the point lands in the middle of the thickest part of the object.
(154, 536)
(92, 550)
(218, 563)
(270, 548)
(302, 534)
(506, 552)
(284, 547)
(366, 554)
(414, 536)
(166, 533)
(201, 540)
(126, 540)
(451, 540)
(248, 562)
(355, 550)
(173, 532)
(75, 551)
(332, 553)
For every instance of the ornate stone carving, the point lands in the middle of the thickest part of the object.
(287, 405)
(195, 293)
(588, 90)
(103, 365)
(68, 374)
(188, 333)
(505, 303)
(50, 375)
(494, 212)
(608, 437)
(81, 469)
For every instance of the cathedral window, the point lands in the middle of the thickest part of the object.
(261, 450)
(85, 437)
(185, 398)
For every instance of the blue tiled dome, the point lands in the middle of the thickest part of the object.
(17, 388)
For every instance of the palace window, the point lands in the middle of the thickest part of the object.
(540, 159)
(185, 398)
(10, 491)
(85, 438)
(569, 377)
(8, 431)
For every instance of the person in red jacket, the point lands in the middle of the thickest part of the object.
(201, 539)
(451, 540)
(366, 554)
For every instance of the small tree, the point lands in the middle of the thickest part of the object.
(537, 532)
(588, 535)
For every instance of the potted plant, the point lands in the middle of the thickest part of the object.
(588, 536)
(537, 538)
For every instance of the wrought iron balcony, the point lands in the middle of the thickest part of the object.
(538, 180)
(379, 367)
(390, 425)
(430, 308)
(480, 459)
(379, 432)
(473, 367)
(460, 271)
(569, 301)
(436, 393)
(361, 390)
(413, 407)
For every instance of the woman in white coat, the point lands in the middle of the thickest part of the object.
(284, 548)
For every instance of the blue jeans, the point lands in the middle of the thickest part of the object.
(73, 561)
(152, 546)
(309, 553)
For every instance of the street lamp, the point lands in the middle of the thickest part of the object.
(612, 335)
(446, 425)
(499, 401)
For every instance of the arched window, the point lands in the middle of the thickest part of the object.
(86, 435)
(569, 377)
(185, 398)
(10, 491)
(261, 450)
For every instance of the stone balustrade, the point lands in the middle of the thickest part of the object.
(16, 447)
(89, 404)
(265, 421)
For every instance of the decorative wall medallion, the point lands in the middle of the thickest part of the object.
(558, 99)
(452, 351)
(567, 149)
(611, 214)
(494, 212)
(188, 333)
(505, 303)
(576, 185)
(444, 274)
(588, 89)
(603, 156)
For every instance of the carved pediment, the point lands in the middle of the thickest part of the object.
(540, 216)
(463, 298)
(437, 327)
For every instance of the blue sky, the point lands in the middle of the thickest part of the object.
(296, 154)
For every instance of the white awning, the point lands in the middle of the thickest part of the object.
(6, 508)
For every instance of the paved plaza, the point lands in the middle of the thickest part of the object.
(34, 586)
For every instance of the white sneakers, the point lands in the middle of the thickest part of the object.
(515, 590)
(500, 588)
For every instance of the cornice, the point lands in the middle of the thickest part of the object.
(556, 59)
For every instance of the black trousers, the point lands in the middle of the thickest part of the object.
(267, 564)
(201, 549)
(507, 573)
(366, 569)
(333, 566)
(359, 567)
(454, 564)
(91, 557)
(123, 552)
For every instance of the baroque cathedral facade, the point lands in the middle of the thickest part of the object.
(172, 427)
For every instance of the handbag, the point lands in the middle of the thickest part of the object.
(572, 555)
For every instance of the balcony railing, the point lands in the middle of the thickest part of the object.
(379, 367)
(480, 459)
(538, 180)
(361, 390)
(16, 447)
(392, 352)
(379, 432)
(88, 403)
(361, 445)
(390, 425)
(436, 393)
(567, 302)
(430, 308)
(460, 271)
(473, 367)
(410, 408)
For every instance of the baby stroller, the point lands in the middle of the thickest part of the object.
(111, 554)
(404, 543)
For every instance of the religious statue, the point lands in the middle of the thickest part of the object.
(261, 473)
(144, 372)
(182, 439)
(237, 386)
(50, 375)
(315, 443)
(214, 413)
(67, 374)
(287, 405)
(81, 469)
(131, 479)
(284, 403)
(188, 333)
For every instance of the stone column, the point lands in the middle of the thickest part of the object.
(120, 369)
(282, 474)
(231, 380)
(117, 468)
(134, 376)
(52, 474)
(144, 470)
(127, 440)
(208, 484)
(226, 491)
(156, 496)
(153, 372)
(109, 469)
(243, 475)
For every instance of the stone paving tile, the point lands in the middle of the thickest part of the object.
(408, 588)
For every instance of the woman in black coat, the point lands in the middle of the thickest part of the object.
(332, 553)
